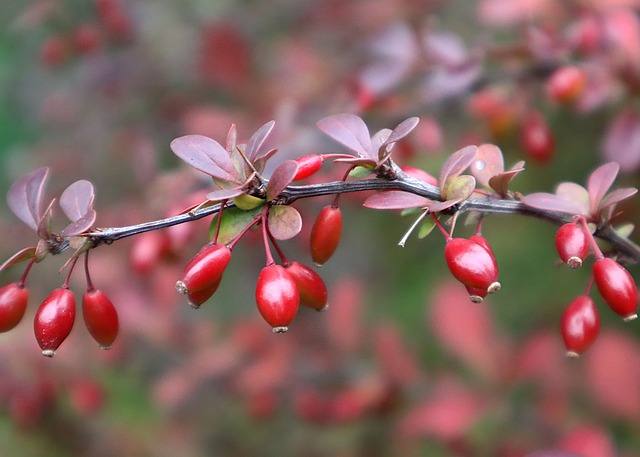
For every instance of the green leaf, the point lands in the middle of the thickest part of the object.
(234, 220)
(459, 187)
(360, 172)
(427, 226)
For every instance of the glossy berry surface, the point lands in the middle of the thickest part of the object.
(580, 325)
(312, 289)
(307, 166)
(482, 241)
(476, 295)
(616, 287)
(54, 320)
(472, 264)
(198, 297)
(572, 244)
(566, 84)
(277, 297)
(325, 234)
(204, 269)
(13, 303)
(100, 317)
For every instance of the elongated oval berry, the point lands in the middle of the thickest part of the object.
(616, 287)
(472, 264)
(580, 325)
(325, 234)
(277, 297)
(312, 289)
(100, 317)
(572, 244)
(537, 138)
(198, 297)
(13, 303)
(54, 320)
(476, 295)
(204, 269)
(307, 165)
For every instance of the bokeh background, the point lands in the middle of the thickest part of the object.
(401, 363)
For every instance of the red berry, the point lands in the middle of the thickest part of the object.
(572, 244)
(617, 287)
(325, 234)
(54, 51)
(476, 295)
(147, 250)
(566, 84)
(580, 325)
(482, 241)
(13, 303)
(100, 317)
(86, 38)
(204, 269)
(307, 165)
(472, 264)
(277, 297)
(536, 138)
(198, 297)
(54, 320)
(312, 289)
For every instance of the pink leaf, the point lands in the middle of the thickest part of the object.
(445, 48)
(18, 257)
(257, 140)
(350, 131)
(80, 225)
(395, 199)
(284, 222)
(456, 164)
(206, 155)
(281, 178)
(622, 140)
(25, 197)
(77, 199)
(223, 194)
(550, 202)
(403, 129)
(500, 182)
(488, 163)
(600, 182)
(575, 194)
(617, 196)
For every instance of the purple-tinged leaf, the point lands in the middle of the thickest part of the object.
(378, 141)
(395, 199)
(256, 142)
(500, 182)
(80, 225)
(456, 164)
(488, 163)
(223, 194)
(599, 183)
(42, 250)
(403, 129)
(436, 207)
(575, 194)
(350, 131)
(550, 202)
(445, 48)
(232, 138)
(617, 196)
(261, 161)
(18, 257)
(622, 140)
(207, 156)
(284, 222)
(444, 83)
(44, 226)
(459, 187)
(281, 177)
(25, 197)
(77, 199)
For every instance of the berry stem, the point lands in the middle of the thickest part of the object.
(283, 258)
(596, 249)
(265, 236)
(447, 235)
(90, 287)
(65, 284)
(587, 289)
(219, 223)
(239, 236)
(23, 278)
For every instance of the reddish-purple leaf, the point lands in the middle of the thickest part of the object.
(622, 140)
(500, 182)
(261, 161)
(281, 178)
(617, 196)
(19, 257)
(350, 131)
(403, 129)
(77, 199)
(44, 226)
(257, 140)
(80, 225)
(284, 222)
(600, 182)
(487, 164)
(232, 138)
(550, 202)
(575, 194)
(25, 197)
(395, 199)
(444, 83)
(456, 164)
(206, 155)
(223, 194)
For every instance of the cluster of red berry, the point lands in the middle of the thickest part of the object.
(580, 322)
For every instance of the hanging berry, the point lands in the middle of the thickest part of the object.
(572, 244)
(325, 234)
(616, 287)
(54, 320)
(100, 317)
(307, 165)
(198, 297)
(580, 325)
(277, 297)
(472, 264)
(311, 287)
(13, 303)
(204, 269)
